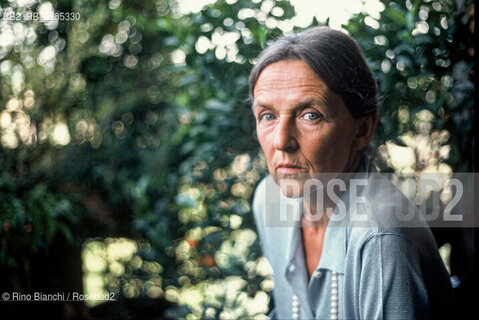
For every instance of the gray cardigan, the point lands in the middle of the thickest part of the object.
(379, 268)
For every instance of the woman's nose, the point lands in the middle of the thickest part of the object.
(284, 136)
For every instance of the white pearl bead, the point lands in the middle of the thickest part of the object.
(334, 291)
(334, 298)
(295, 309)
(334, 304)
(334, 317)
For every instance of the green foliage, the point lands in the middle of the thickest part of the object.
(30, 219)
(423, 57)
(139, 125)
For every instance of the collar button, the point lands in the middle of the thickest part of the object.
(291, 268)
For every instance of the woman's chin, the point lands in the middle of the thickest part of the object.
(291, 188)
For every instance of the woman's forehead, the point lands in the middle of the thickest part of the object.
(288, 75)
(294, 84)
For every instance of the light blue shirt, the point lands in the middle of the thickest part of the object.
(385, 268)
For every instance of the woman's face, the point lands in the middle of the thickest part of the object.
(303, 127)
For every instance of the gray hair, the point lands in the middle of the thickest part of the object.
(334, 57)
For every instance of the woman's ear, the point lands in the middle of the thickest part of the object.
(365, 131)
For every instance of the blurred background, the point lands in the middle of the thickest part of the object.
(128, 155)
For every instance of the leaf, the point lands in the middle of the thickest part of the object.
(396, 16)
(51, 229)
(412, 15)
(66, 232)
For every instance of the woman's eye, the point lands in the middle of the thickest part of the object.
(311, 116)
(267, 117)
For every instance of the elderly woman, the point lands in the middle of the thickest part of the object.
(314, 100)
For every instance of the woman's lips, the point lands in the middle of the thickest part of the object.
(289, 169)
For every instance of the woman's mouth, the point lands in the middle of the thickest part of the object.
(287, 168)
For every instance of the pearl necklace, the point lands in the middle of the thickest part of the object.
(334, 296)
(334, 299)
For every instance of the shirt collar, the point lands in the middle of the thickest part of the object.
(334, 247)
